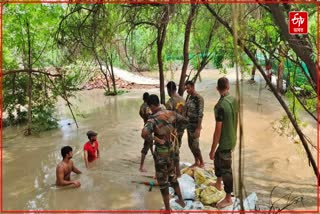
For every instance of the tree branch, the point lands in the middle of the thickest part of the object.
(32, 71)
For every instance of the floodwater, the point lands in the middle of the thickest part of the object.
(29, 163)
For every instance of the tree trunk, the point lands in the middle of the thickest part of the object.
(160, 64)
(279, 98)
(112, 76)
(280, 77)
(253, 72)
(105, 74)
(207, 55)
(162, 30)
(14, 84)
(183, 75)
(29, 127)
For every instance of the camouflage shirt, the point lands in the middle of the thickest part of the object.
(144, 112)
(194, 108)
(176, 103)
(162, 124)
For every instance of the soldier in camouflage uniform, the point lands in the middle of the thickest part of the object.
(176, 103)
(161, 123)
(144, 113)
(194, 112)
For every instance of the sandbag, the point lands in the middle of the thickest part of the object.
(199, 176)
(187, 186)
(184, 165)
(211, 195)
(175, 206)
(188, 170)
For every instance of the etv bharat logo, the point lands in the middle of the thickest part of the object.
(298, 22)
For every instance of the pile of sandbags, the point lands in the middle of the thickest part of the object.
(196, 189)
(205, 192)
(199, 194)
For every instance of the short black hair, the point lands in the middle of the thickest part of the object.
(145, 96)
(223, 83)
(153, 100)
(171, 86)
(91, 134)
(189, 82)
(65, 150)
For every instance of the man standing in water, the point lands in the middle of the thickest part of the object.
(194, 112)
(161, 123)
(144, 113)
(176, 103)
(91, 148)
(225, 134)
(65, 167)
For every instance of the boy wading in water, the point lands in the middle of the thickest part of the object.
(161, 123)
(225, 134)
(65, 167)
(91, 148)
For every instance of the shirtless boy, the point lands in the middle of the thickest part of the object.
(65, 167)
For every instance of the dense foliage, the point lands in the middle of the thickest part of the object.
(50, 50)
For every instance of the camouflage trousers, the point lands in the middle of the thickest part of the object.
(193, 142)
(222, 166)
(164, 166)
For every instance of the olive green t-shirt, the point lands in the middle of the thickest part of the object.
(226, 111)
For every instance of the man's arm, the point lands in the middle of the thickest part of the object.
(147, 130)
(141, 112)
(181, 119)
(169, 105)
(85, 155)
(98, 152)
(75, 169)
(200, 113)
(148, 136)
(60, 178)
(216, 139)
(219, 115)
(145, 134)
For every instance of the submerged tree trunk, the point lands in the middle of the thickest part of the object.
(183, 75)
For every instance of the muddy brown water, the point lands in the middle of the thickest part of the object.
(29, 162)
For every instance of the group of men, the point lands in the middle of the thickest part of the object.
(191, 109)
(65, 167)
(164, 128)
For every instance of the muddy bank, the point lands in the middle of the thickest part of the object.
(99, 82)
